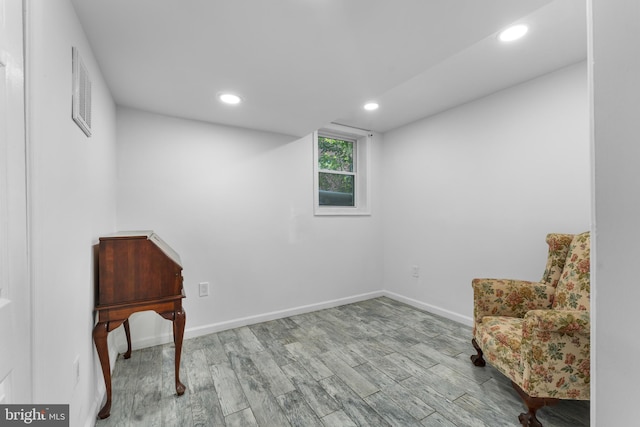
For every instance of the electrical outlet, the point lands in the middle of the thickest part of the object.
(204, 289)
(415, 271)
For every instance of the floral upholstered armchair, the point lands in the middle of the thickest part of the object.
(537, 333)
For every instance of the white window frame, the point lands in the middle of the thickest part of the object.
(361, 169)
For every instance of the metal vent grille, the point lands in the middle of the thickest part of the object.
(81, 109)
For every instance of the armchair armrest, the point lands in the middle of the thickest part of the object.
(506, 297)
(561, 321)
(555, 354)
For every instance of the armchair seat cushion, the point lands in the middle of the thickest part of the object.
(500, 338)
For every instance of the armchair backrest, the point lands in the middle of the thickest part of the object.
(574, 286)
(558, 250)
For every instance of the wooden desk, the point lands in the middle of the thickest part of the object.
(137, 271)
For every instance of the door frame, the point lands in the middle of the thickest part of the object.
(16, 382)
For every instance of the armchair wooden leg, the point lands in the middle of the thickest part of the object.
(477, 358)
(528, 419)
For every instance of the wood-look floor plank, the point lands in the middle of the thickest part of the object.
(447, 387)
(335, 324)
(350, 376)
(424, 359)
(214, 350)
(349, 325)
(197, 368)
(338, 419)
(461, 366)
(390, 410)
(333, 331)
(449, 345)
(228, 336)
(575, 413)
(242, 418)
(457, 380)
(441, 404)
(482, 411)
(273, 338)
(369, 348)
(397, 341)
(205, 408)
(308, 332)
(273, 331)
(146, 405)
(147, 409)
(265, 408)
(408, 401)
(316, 368)
(388, 365)
(298, 411)
(230, 394)
(437, 420)
(248, 340)
(414, 364)
(410, 335)
(383, 321)
(150, 364)
(316, 396)
(501, 393)
(276, 379)
(352, 404)
(124, 370)
(374, 375)
(350, 357)
(176, 411)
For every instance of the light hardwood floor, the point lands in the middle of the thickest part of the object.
(373, 363)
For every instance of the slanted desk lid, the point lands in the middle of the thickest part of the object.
(149, 235)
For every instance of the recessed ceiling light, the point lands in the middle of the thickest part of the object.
(513, 33)
(370, 106)
(229, 98)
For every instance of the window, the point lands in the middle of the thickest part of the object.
(341, 171)
(336, 174)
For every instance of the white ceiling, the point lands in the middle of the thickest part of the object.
(300, 64)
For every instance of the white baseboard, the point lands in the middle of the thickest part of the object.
(251, 320)
(273, 315)
(465, 320)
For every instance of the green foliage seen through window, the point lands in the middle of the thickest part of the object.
(336, 155)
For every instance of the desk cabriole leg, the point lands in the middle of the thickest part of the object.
(178, 333)
(127, 332)
(100, 340)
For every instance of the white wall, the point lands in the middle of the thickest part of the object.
(473, 192)
(237, 205)
(72, 202)
(615, 291)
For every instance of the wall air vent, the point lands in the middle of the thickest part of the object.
(81, 108)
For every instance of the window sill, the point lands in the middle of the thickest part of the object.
(328, 211)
